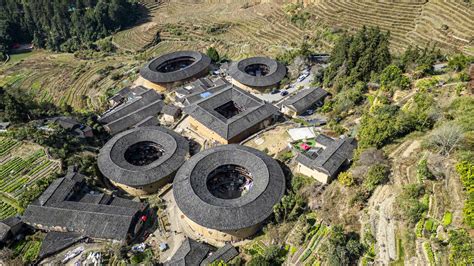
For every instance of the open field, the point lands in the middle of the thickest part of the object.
(21, 164)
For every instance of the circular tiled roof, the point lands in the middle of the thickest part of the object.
(150, 70)
(198, 204)
(113, 165)
(276, 72)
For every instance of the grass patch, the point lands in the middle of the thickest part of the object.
(447, 218)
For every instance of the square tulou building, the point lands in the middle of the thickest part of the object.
(229, 115)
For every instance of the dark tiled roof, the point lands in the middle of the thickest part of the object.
(139, 101)
(171, 110)
(305, 98)
(190, 253)
(122, 94)
(196, 202)
(135, 117)
(201, 63)
(57, 241)
(4, 230)
(148, 122)
(277, 72)
(64, 121)
(255, 111)
(4, 125)
(225, 254)
(332, 157)
(61, 207)
(113, 165)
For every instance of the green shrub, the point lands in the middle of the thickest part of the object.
(346, 178)
(466, 172)
(422, 170)
(429, 252)
(419, 227)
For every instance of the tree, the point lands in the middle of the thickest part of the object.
(213, 54)
(342, 248)
(392, 76)
(461, 248)
(355, 57)
(411, 208)
(458, 62)
(289, 208)
(377, 174)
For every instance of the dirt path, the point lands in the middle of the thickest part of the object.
(380, 213)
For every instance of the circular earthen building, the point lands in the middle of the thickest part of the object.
(227, 192)
(141, 160)
(174, 69)
(257, 73)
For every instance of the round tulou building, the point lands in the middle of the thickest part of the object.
(141, 160)
(174, 69)
(227, 192)
(257, 73)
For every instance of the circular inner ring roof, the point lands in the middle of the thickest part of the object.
(200, 64)
(277, 71)
(198, 204)
(113, 165)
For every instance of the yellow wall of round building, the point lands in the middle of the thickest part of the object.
(144, 190)
(220, 236)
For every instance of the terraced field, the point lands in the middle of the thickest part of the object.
(449, 24)
(237, 29)
(233, 28)
(64, 79)
(21, 164)
(247, 29)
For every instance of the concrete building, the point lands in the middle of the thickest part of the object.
(141, 160)
(227, 192)
(257, 73)
(228, 114)
(303, 100)
(173, 69)
(68, 205)
(326, 158)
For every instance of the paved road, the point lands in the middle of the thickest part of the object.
(275, 98)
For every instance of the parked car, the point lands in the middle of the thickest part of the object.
(275, 91)
(309, 112)
(284, 93)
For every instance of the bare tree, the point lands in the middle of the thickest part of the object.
(446, 138)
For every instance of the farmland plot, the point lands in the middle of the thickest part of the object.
(21, 164)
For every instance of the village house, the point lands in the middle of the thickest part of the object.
(131, 108)
(302, 101)
(324, 157)
(68, 205)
